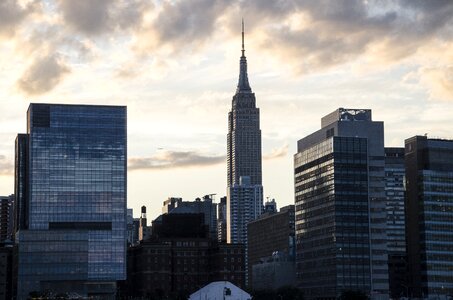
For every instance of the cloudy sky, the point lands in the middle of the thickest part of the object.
(175, 65)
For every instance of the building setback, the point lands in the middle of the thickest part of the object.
(270, 234)
(71, 199)
(244, 178)
(429, 216)
(396, 235)
(340, 203)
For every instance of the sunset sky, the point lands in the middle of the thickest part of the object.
(175, 65)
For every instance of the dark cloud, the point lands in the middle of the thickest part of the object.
(12, 14)
(175, 159)
(186, 24)
(96, 17)
(6, 166)
(43, 75)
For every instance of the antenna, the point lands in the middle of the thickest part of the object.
(243, 48)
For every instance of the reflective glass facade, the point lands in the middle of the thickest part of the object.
(75, 233)
(332, 217)
(429, 216)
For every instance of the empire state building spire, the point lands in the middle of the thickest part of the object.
(243, 84)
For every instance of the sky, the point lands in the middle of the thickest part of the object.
(175, 64)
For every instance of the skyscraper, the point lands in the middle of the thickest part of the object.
(243, 158)
(71, 196)
(340, 207)
(429, 216)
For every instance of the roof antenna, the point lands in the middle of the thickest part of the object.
(243, 50)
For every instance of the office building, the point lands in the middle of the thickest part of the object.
(132, 228)
(273, 272)
(244, 178)
(340, 207)
(429, 216)
(396, 236)
(71, 194)
(271, 235)
(144, 231)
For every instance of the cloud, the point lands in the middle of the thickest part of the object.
(6, 166)
(175, 159)
(101, 16)
(182, 25)
(277, 153)
(43, 75)
(12, 14)
(439, 82)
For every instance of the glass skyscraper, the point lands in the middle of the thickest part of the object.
(429, 216)
(71, 187)
(341, 240)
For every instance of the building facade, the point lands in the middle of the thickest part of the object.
(396, 235)
(222, 220)
(340, 202)
(6, 218)
(429, 216)
(273, 233)
(180, 258)
(71, 193)
(243, 158)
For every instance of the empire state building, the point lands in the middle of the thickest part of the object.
(245, 191)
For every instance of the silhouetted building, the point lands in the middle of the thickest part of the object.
(132, 228)
(6, 282)
(244, 196)
(271, 233)
(70, 185)
(270, 206)
(274, 272)
(341, 207)
(205, 206)
(6, 218)
(180, 258)
(396, 236)
(429, 216)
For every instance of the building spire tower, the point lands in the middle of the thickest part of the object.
(245, 192)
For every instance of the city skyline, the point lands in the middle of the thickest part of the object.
(177, 75)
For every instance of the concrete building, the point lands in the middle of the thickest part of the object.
(144, 231)
(244, 178)
(220, 290)
(341, 207)
(271, 233)
(396, 236)
(71, 199)
(132, 228)
(429, 216)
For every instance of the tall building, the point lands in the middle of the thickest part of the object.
(396, 236)
(222, 220)
(340, 207)
(243, 158)
(71, 194)
(271, 235)
(429, 216)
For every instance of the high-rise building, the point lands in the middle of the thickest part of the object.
(340, 207)
(71, 194)
(243, 158)
(396, 236)
(429, 216)
(272, 235)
